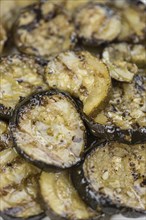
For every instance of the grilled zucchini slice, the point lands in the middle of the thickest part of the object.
(44, 29)
(3, 37)
(133, 28)
(62, 200)
(18, 183)
(20, 76)
(113, 177)
(48, 130)
(123, 119)
(94, 23)
(82, 75)
(119, 59)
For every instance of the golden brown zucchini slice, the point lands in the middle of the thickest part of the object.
(133, 25)
(123, 119)
(113, 177)
(119, 59)
(97, 23)
(3, 37)
(20, 76)
(82, 75)
(44, 29)
(48, 130)
(62, 200)
(18, 183)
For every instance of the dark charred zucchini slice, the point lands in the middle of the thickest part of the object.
(18, 182)
(119, 59)
(3, 37)
(82, 75)
(48, 130)
(95, 22)
(62, 200)
(123, 119)
(133, 24)
(44, 29)
(20, 76)
(113, 177)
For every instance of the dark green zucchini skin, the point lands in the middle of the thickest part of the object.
(6, 216)
(36, 97)
(114, 133)
(83, 187)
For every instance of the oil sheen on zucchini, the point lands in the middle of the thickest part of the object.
(113, 176)
(94, 23)
(18, 186)
(20, 76)
(44, 29)
(82, 75)
(48, 130)
(123, 119)
(62, 200)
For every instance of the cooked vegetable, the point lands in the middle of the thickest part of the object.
(95, 22)
(48, 130)
(133, 26)
(123, 119)
(3, 38)
(18, 186)
(113, 176)
(82, 75)
(44, 29)
(119, 59)
(20, 76)
(62, 200)
(5, 138)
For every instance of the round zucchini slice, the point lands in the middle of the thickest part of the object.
(18, 183)
(133, 28)
(20, 76)
(94, 23)
(44, 29)
(119, 59)
(123, 59)
(48, 130)
(61, 199)
(3, 37)
(82, 75)
(123, 119)
(113, 177)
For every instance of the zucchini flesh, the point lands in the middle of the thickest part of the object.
(119, 59)
(20, 76)
(48, 130)
(44, 29)
(18, 186)
(126, 107)
(113, 176)
(61, 199)
(83, 76)
(133, 26)
(95, 22)
(3, 37)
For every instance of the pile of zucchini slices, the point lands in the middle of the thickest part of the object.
(72, 109)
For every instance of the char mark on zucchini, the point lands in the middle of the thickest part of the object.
(48, 130)
(44, 29)
(20, 76)
(83, 76)
(113, 177)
